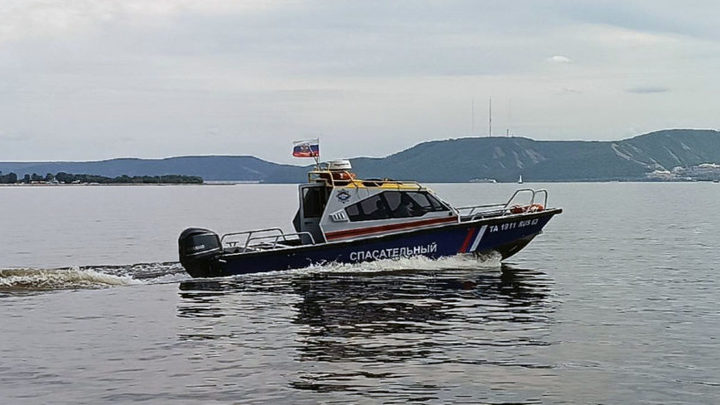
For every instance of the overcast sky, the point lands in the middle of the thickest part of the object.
(97, 79)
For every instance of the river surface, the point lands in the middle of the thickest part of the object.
(617, 302)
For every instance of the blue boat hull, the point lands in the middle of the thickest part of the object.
(506, 235)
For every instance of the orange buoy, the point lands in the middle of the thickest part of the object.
(535, 208)
(343, 175)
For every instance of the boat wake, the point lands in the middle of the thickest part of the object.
(89, 277)
(57, 279)
(491, 260)
(470, 261)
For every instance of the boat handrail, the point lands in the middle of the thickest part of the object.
(249, 232)
(472, 208)
(352, 181)
(329, 179)
(487, 210)
(480, 210)
(542, 191)
(276, 238)
(399, 184)
(279, 234)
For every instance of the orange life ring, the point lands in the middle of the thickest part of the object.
(343, 175)
(521, 209)
(535, 208)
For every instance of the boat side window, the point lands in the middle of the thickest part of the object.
(394, 204)
(393, 200)
(401, 205)
(314, 200)
(437, 205)
(369, 209)
(426, 202)
(353, 212)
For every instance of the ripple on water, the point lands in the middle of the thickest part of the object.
(410, 329)
(371, 333)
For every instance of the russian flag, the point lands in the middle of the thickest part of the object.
(307, 148)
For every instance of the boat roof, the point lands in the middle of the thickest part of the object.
(344, 178)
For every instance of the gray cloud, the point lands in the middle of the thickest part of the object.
(660, 16)
(152, 79)
(13, 137)
(648, 90)
(559, 59)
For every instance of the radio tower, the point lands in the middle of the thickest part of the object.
(490, 118)
(472, 115)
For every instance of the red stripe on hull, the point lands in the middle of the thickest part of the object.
(385, 228)
(466, 243)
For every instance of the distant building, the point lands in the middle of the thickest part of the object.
(701, 172)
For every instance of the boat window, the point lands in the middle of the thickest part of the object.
(402, 206)
(437, 205)
(427, 201)
(368, 209)
(393, 200)
(394, 204)
(314, 200)
(353, 212)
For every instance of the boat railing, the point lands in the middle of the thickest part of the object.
(480, 210)
(399, 184)
(348, 179)
(473, 212)
(534, 199)
(260, 239)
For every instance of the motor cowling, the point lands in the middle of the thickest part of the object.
(198, 249)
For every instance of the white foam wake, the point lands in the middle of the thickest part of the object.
(56, 279)
(419, 263)
(490, 260)
(171, 272)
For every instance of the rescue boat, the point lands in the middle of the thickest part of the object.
(343, 219)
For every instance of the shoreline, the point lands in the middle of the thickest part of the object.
(106, 184)
(235, 183)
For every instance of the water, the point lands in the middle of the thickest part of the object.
(616, 303)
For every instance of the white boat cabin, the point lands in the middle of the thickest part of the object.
(334, 205)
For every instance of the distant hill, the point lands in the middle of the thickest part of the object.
(240, 168)
(505, 159)
(454, 160)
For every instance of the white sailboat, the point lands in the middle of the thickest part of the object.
(520, 180)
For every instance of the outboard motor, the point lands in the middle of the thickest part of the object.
(198, 249)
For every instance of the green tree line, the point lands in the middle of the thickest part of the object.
(67, 178)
